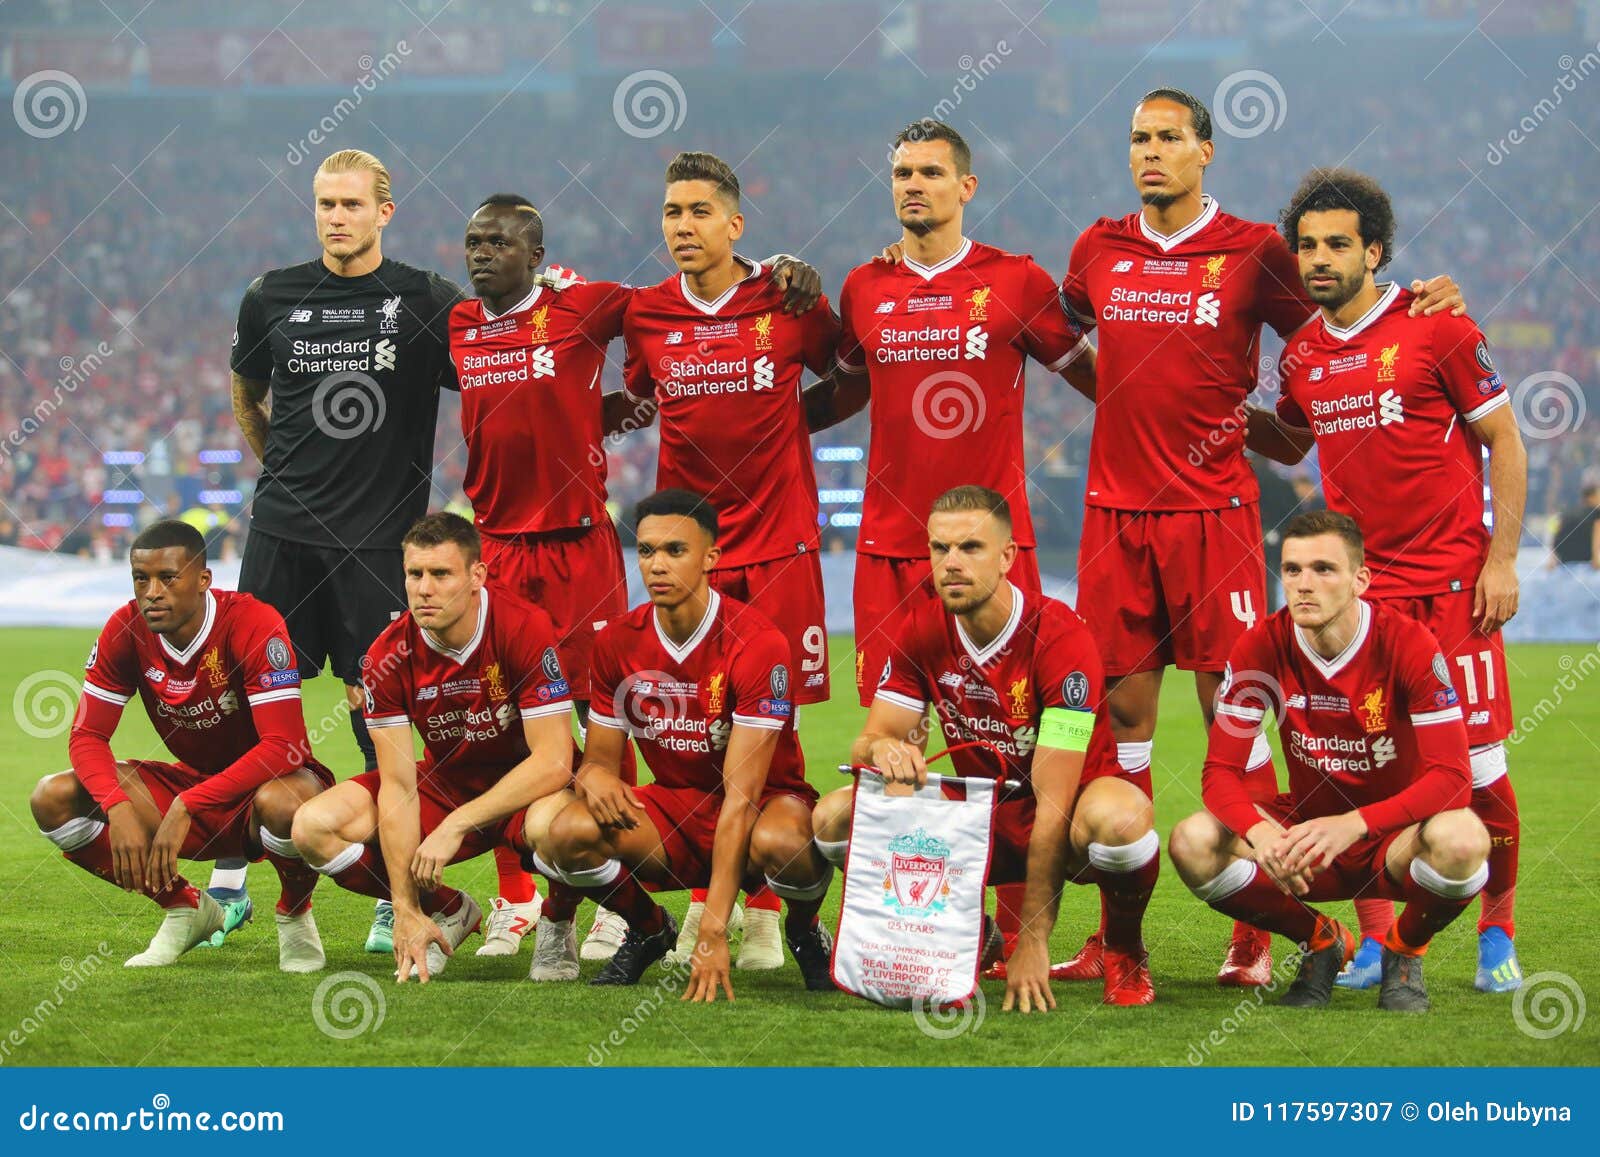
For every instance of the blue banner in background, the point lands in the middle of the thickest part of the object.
(816, 1112)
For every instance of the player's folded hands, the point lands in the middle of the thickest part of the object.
(1028, 979)
(611, 802)
(1316, 843)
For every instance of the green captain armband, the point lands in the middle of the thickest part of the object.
(1066, 729)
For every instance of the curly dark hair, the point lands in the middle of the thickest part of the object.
(1324, 189)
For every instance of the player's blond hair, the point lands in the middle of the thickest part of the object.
(359, 161)
(962, 499)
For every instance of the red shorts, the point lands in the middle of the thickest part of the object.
(214, 833)
(1012, 829)
(1168, 588)
(1477, 661)
(434, 806)
(686, 820)
(882, 587)
(575, 576)
(788, 591)
(1359, 873)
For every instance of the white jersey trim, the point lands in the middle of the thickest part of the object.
(929, 272)
(1385, 300)
(525, 303)
(101, 693)
(596, 719)
(760, 721)
(1070, 356)
(679, 654)
(982, 655)
(1501, 399)
(388, 721)
(460, 657)
(560, 707)
(199, 640)
(711, 307)
(1166, 241)
(1331, 667)
(1426, 718)
(273, 696)
(899, 700)
(1247, 714)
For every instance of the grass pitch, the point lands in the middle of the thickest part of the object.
(66, 999)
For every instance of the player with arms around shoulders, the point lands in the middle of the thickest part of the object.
(352, 348)
(701, 682)
(1020, 672)
(945, 330)
(1171, 560)
(1376, 749)
(474, 670)
(217, 676)
(711, 350)
(529, 351)
(1401, 408)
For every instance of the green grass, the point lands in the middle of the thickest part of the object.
(233, 1007)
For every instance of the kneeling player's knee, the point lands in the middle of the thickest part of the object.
(830, 819)
(776, 846)
(54, 800)
(573, 831)
(1457, 843)
(1193, 846)
(1113, 811)
(276, 803)
(312, 829)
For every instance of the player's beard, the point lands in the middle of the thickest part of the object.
(921, 224)
(1159, 198)
(1337, 296)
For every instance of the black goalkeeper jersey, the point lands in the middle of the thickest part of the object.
(355, 365)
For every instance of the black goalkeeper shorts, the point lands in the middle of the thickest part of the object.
(335, 601)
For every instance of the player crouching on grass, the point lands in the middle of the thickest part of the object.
(474, 669)
(1379, 779)
(1021, 673)
(219, 682)
(702, 684)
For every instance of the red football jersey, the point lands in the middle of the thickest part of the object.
(213, 704)
(1045, 657)
(726, 376)
(1180, 322)
(1378, 728)
(945, 347)
(530, 405)
(1389, 400)
(469, 705)
(680, 703)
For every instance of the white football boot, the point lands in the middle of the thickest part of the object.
(299, 945)
(467, 919)
(762, 947)
(182, 929)
(508, 924)
(605, 935)
(555, 951)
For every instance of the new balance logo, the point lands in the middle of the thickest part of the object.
(383, 354)
(950, 679)
(1315, 375)
(299, 316)
(977, 343)
(762, 374)
(1208, 310)
(1122, 267)
(1390, 408)
(541, 362)
(1296, 700)
(884, 307)
(1382, 750)
(674, 338)
(1477, 719)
